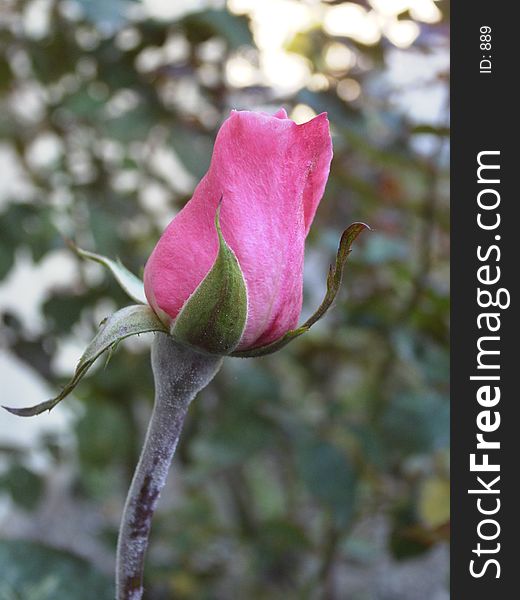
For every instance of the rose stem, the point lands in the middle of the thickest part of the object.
(179, 374)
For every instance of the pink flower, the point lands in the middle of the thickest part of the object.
(270, 174)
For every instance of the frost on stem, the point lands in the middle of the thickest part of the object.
(179, 374)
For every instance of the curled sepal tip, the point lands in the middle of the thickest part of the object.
(130, 283)
(333, 284)
(128, 321)
(214, 316)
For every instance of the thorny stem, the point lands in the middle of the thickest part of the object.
(179, 374)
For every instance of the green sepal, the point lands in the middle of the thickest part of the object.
(128, 321)
(130, 283)
(214, 316)
(333, 284)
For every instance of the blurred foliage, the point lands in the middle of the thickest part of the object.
(34, 572)
(288, 462)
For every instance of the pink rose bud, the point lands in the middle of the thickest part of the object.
(268, 175)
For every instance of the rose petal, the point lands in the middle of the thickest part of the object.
(270, 174)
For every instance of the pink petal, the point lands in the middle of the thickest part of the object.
(271, 174)
(281, 114)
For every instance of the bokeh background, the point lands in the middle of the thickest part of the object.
(320, 472)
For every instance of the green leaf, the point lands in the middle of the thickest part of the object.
(33, 571)
(407, 537)
(193, 148)
(24, 486)
(130, 283)
(128, 321)
(329, 476)
(427, 128)
(277, 540)
(433, 504)
(214, 317)
(203, 25)
(107, 16)
(333, 284)
(426, 419)
(7, 252)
